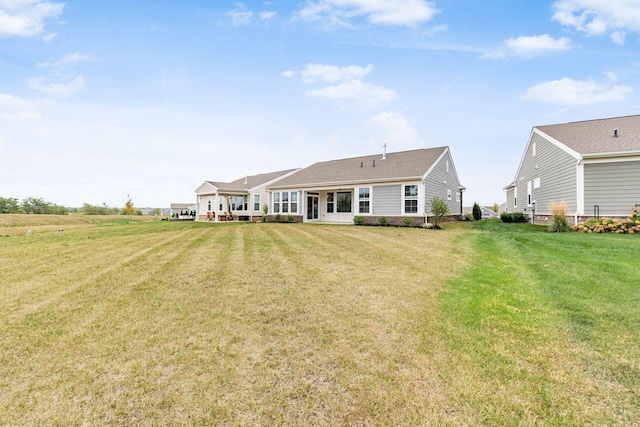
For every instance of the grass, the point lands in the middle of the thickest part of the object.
(244, 324)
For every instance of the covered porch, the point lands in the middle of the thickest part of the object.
(224, 206)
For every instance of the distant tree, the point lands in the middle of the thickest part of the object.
(39, 206)
(9, 206)
(496, 208)
(477, 213)
(128, 209)
(157, 211)
(440, 209)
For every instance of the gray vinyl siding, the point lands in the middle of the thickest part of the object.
(438, 182)
(557, 172)
(387, 199)
(510, 200)
(612, 186)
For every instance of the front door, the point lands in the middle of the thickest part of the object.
(312, 207)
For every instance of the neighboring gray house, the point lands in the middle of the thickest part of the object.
(393, 185)
(593, 166)
(240, 199)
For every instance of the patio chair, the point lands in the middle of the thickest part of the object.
(211, 216)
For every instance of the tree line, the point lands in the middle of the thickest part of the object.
(32, 205)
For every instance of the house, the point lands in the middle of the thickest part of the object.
(394, 186)
(240, 199)
(593, 166)
(182, 211)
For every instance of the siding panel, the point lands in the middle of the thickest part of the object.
(387, 199)
(438, 182)
(612, 186)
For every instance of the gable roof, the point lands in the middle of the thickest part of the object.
(249, 182)
(411, 164)
(597, 136)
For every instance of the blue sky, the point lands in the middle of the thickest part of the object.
(100, 99)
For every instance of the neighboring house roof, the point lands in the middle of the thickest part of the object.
(598, 136)
(402, 165)
(248, 182)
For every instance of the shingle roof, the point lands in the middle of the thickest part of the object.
(404, 164)
(251, 181)
(597, 136)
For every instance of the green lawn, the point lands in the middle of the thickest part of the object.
(260, 324)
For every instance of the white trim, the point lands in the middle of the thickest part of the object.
(580, 187)
(610, 158)
(356, 191)
(404, 199)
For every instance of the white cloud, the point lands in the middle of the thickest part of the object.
(240, 15)
(13, 102)
(396, 128)
(611, 76)
(529, 47)
(288, 74)
(571, 92)
(362, 93)
(266, 15)
(48, 38)
(57, 89)
(598, 17)
(69, 59)
(26, 18)
(333, 73)
(15, 108)
(379, 12)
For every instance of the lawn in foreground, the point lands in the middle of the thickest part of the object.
(250, 324)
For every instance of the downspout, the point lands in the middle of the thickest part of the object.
(579, 190)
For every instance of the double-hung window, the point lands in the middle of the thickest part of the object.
(276, 202)
(330, 202)
(364, 199)
(410, 199)
(256, 202)
(285, 202)
(294, 202)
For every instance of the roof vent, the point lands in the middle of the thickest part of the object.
(384, 151)
(374, 163)
(246, 179)
(615, 133)
(361, 163)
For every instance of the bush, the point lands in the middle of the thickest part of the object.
(468, 216)
(407, 221)
(382, 221)
(264, 218)
(290, 218)
(559, 214)
(439, 209)
(477, 213)
(358, 220)
(276, 218)
(631, 225)
(513, 217)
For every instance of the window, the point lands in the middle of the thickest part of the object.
(330, 202)
(294, 202)
(529, 193)
(533, 150)
(448, 194)
(364, 198)
(410, 199)
(276, 202)
(515, 197)
(536, 183)
(447, 166)
(209, 205)
(285, 202)
(344, 201)
(256, 202)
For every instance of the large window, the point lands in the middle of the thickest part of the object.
(256, 202)
(285, 202)
(294, 202)
(344, 201)
(364, 197)
(330, 202)
(410, 199)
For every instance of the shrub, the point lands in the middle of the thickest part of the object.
(559, 214)
(276, 218)
(518, 217)
(439, 209)
(382, 221)
(358, 220)
(290, 218)
(264, 218)
(477, 213)
(407, 221)
(506, 217)
(265, 209)
(468, 216)
(631, 225)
